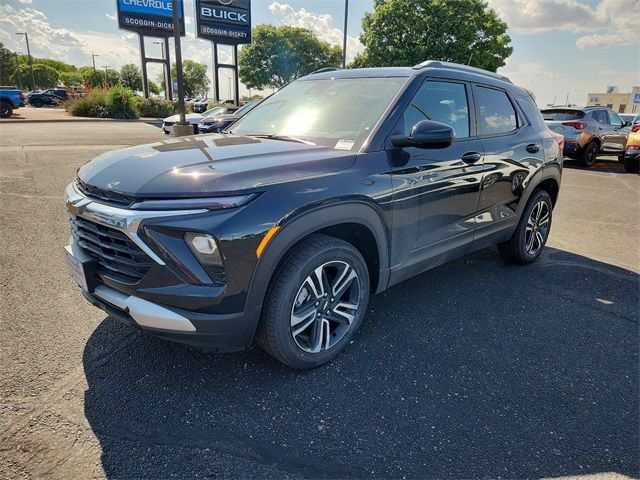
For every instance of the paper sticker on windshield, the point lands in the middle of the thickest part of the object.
(344, 144)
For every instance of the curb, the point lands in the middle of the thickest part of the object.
(80, 119)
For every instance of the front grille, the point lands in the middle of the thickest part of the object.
(118, 256)
(105, 195)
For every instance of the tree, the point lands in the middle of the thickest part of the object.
(153, 87)
(131, 76)
(45, 76)
(407, 32)
(7, 66)
(279, 55)
(196, 81)
(71, 79)
(113, 77)
(94, 79)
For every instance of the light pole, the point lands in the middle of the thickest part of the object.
(228, 78)
(105, 75)
(344, 37)
(93, 59)
(181, 127)
(33, 78)
(164, 66)
(18, 70)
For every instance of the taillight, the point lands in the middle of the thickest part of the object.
(576, 124)
(635, 127)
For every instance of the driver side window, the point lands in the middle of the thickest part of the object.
(615, 120)
(444, 102)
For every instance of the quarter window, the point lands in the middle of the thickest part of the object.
(600, 116)
(495, 111)
(443, 102)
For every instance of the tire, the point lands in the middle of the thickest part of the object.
(37, 103)
(589, 154)
(632, 164)
(516, 249)
(6, 110)
(320, 333)
(621, 158)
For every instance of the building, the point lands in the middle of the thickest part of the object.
(620, 102)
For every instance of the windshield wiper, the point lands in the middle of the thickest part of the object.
(274, 136)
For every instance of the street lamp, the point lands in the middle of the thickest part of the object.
(93, 59)
(228, 78)
(19, 82)
(164, 67)
(344, 38)
(33, 78)
(105, 75)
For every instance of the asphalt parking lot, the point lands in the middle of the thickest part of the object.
(474, 369)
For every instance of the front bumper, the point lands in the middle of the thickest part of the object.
(162, 302)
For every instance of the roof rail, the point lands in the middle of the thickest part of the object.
(321, 70)
(457, 66)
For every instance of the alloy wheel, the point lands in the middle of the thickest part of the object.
(325, 306)
(592, 154)
(537, 228)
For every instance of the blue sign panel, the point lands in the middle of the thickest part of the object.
(636, 98)
(149, 17)
(224, 21)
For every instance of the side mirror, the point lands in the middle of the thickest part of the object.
(627, 123)
(426, 134)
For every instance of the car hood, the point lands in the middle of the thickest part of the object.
(219, 118)
(190, 117)
(209, 165)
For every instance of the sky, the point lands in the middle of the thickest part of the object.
(561, 47)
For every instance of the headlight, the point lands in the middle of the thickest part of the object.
(204, 247)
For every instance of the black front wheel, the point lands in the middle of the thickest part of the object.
(532, 232)
(6, 110)
(632, 164)
(37, 103)
(315, 303)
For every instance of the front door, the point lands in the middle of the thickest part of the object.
(435, 191)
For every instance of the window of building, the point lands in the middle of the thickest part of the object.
(623, 107)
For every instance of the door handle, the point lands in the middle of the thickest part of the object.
(471, 157)
(533, 148)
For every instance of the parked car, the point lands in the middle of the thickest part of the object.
(588, 132)
(628, 117)
(632, 154)
(10, 99)
(217, 123)
(338, 186)
(194, 118)
(201, 105)
(52, 96)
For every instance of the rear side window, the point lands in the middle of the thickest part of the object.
(562, 115)
(443, 102)
(530, 109)
(495, 112)
(600, 116)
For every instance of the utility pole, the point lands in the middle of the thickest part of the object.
(344, 38)
(33, 78)
(93, 59)
(181, 127)
(105, 75)
(18, 70)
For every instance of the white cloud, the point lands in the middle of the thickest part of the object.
(110, 17)
(609, 23)
(320, 24)
(25, 1)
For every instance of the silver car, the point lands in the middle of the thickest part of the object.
(588, 132)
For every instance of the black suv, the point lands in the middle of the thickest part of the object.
(53, 96)
(338, 186)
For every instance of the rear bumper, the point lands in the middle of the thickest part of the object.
(222, 333)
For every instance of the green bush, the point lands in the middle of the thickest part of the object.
(95, 104)
(154, 107)
(116, 102)
(121, 102)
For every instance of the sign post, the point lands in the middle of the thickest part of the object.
(226, 22)
(151, 19)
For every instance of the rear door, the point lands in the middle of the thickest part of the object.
(514, 153)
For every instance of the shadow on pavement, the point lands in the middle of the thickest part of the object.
(606, 165)
(474, 369)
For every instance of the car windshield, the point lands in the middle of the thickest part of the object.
(561, 115)
(246, 107)
(213, 111)
(336, 112)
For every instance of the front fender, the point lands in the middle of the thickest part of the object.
(295, 227)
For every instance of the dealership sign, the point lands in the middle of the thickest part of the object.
(224, 21)
(149, 17)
